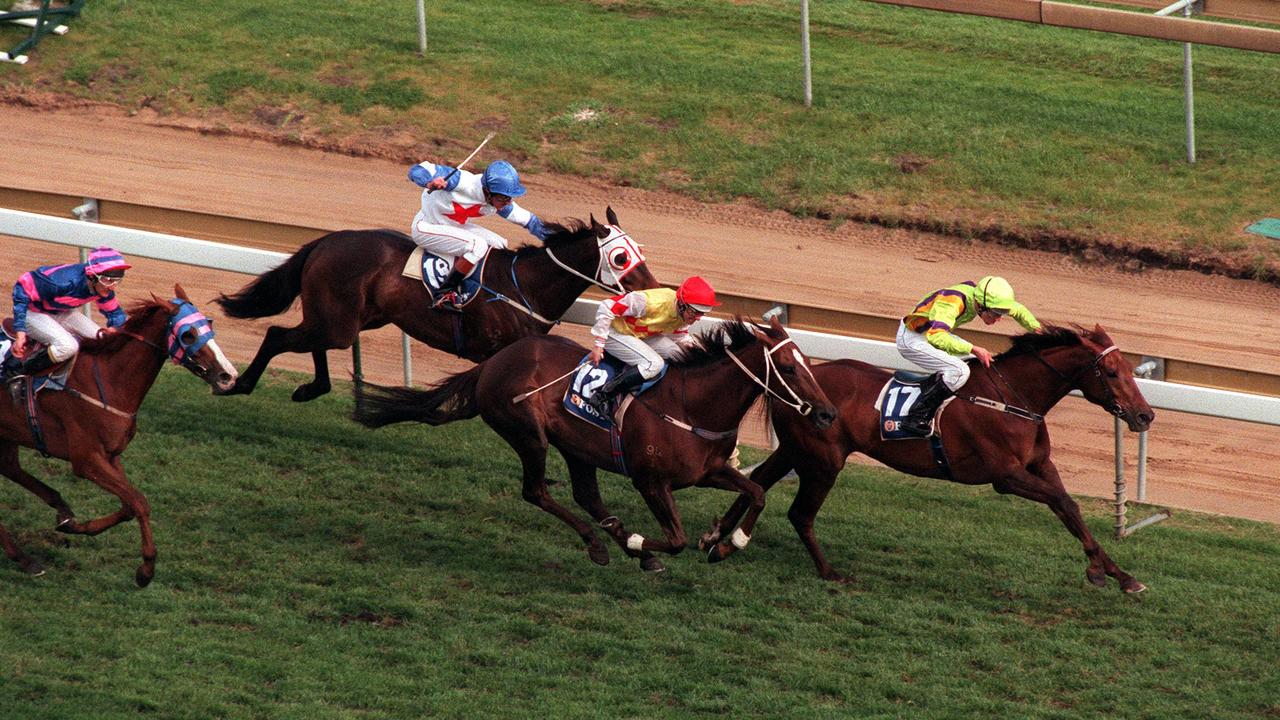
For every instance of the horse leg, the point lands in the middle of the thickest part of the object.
(533, 456)
(273, 343)
(814, 486)
(726, 478)
(663, 506)
(28, 565)
(1046, 487)
(10, 468)
(320, 385)
(586, 492)
(109, 475)
(769, 472)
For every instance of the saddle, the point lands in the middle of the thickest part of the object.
(433, 269)
(54, 375)
(896, 399)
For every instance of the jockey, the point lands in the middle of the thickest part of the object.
(44, 302)
(634, 328)
(442, 226)
(925, 338)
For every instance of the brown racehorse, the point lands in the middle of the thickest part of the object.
(983, 445)
(351, 281)
(677, 434)
(92, 421)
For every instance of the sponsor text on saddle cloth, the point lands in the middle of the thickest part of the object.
(896, 399)
(433, 269)
(590, 378)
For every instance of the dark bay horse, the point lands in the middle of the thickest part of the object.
(677, 434)
(351, 281)
(983, 445)
(92, 421)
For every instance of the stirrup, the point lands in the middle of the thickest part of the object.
(448, 298)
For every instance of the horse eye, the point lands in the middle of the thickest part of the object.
(188, 337)
(619, 259)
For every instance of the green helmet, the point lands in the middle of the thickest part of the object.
(994, 293)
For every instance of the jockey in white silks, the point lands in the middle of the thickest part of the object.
(451, 199)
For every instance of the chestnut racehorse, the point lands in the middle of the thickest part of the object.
(351, 281)
(92, 421)
(677, 434)
(983, 445)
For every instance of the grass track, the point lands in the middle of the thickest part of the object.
(313, 569)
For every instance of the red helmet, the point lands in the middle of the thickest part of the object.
(697, 293)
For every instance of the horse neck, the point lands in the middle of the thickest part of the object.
(550, 288)
(1040, 385)
(720, 393)
(128, 374)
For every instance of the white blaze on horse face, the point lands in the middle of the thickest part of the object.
(224, 365)
(801, 361)
(619, 255)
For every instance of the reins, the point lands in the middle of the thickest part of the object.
(1111, 406)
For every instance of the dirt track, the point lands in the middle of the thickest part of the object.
(1201, 463)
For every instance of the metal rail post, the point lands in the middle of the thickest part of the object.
(422, 28)
(804, 48)
(86, 211)
(407, 356)
(1121, 502)
(1188, 7)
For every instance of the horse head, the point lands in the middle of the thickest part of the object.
(789, 378)
(189, 342)
(1107, 380)
(619, 262)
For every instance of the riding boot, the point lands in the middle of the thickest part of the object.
(628, 379)
(30, 366)
(450, 288)
(932, 393)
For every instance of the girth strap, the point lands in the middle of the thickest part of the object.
(1004, 408)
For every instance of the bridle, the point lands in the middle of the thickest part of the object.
(186, 319)
(803, 407)
(615, 238)
(1111, 404)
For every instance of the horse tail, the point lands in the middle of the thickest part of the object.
(273, 291)
(451, 399)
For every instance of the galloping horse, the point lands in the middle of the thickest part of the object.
(982, 444)
(351, 281)
(677, 434)
(92, 421)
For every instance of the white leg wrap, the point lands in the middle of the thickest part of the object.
(635, 542)
(740, 539)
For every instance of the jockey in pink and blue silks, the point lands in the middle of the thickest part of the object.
(451, 199)
(45, 302)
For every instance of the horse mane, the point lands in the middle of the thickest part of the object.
(1050, 336)
(558, 234)
(713, 344)
(140, 313)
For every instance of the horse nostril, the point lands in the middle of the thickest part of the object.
(224, 378)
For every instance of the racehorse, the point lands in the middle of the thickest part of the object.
(980, 443)
(677, 434)
(351, 281)
(92, 421)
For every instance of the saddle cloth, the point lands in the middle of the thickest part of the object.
(432, 270)
(590, 378)
(896, 399)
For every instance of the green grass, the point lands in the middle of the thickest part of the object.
(310, 568)
(1022, 127)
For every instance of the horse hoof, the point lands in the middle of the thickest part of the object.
(1097, 579)
(237, 389)
(143, 577)
(715, 556)
(651, 564)
(305, 393)
(33, 568)
(67, 526)
(598, 553)
(1132, 586)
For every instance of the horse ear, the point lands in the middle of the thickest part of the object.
(599, 230)
(180, 293)
(610, 215)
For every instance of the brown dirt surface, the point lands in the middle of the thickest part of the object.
(1226, 467)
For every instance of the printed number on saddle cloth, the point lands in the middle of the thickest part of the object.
(588, 379)
(907, 393)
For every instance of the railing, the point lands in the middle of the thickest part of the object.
(252, 261)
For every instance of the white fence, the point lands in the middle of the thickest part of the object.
(172, 248)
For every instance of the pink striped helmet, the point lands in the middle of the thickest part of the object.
(104, 260)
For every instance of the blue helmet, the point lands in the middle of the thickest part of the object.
(500, 178)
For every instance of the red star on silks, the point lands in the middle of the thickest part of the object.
(461, 213)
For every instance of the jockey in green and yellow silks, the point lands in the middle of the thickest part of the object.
(927, 338)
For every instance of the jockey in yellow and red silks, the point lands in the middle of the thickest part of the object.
(451, 199)
(926, 337)
(644, 327)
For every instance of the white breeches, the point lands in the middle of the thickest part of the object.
(648, 355)
(60, 330)
(471, 242)
(914, 347)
